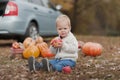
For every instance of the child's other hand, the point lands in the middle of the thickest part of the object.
(53, 40)
(56, 42)
(58, 45)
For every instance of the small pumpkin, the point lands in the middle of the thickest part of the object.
(28, 41)
(44, 50)
(92, 49)
(31, 51)
(39, 39)
(42, 46)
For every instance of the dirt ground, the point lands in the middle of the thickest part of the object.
(103, 67)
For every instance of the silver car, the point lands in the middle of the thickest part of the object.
(22, 18)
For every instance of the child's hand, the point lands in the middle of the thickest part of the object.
(56, 42)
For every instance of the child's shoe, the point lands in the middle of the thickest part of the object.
(46, 65)
(31, 63)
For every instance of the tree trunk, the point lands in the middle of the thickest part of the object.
(74, 19)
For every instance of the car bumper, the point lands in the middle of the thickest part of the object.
(12, 26)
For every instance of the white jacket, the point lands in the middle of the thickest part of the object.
(69, 50)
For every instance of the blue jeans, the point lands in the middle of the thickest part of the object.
(58, 64)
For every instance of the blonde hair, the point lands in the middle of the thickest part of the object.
(63, 18)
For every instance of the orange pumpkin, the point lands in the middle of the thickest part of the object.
(31, 51)
(44, 50)
(92, 49)
(28, 41)
(39, 39)
(42, 46)
(47, 53)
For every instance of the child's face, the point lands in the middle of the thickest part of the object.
(63, 29)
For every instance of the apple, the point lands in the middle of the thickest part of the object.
(66, 69)
(80, 44)
(56, 41)
(15, 45)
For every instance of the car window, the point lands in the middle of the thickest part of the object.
(45, 3)
(38, 2)
(22, 0)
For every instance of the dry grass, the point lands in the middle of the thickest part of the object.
(103, 67)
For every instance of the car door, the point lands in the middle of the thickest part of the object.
(43, 15)
(52, 17)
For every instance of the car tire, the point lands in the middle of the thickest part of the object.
(32, 31)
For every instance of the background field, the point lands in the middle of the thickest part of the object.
(103, 67)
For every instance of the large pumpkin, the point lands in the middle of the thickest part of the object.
(31, 51)
(28, 41)
(44, 50)
(92, 49)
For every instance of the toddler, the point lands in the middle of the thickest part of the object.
(66, 49)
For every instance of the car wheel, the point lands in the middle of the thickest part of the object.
(32, 30)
